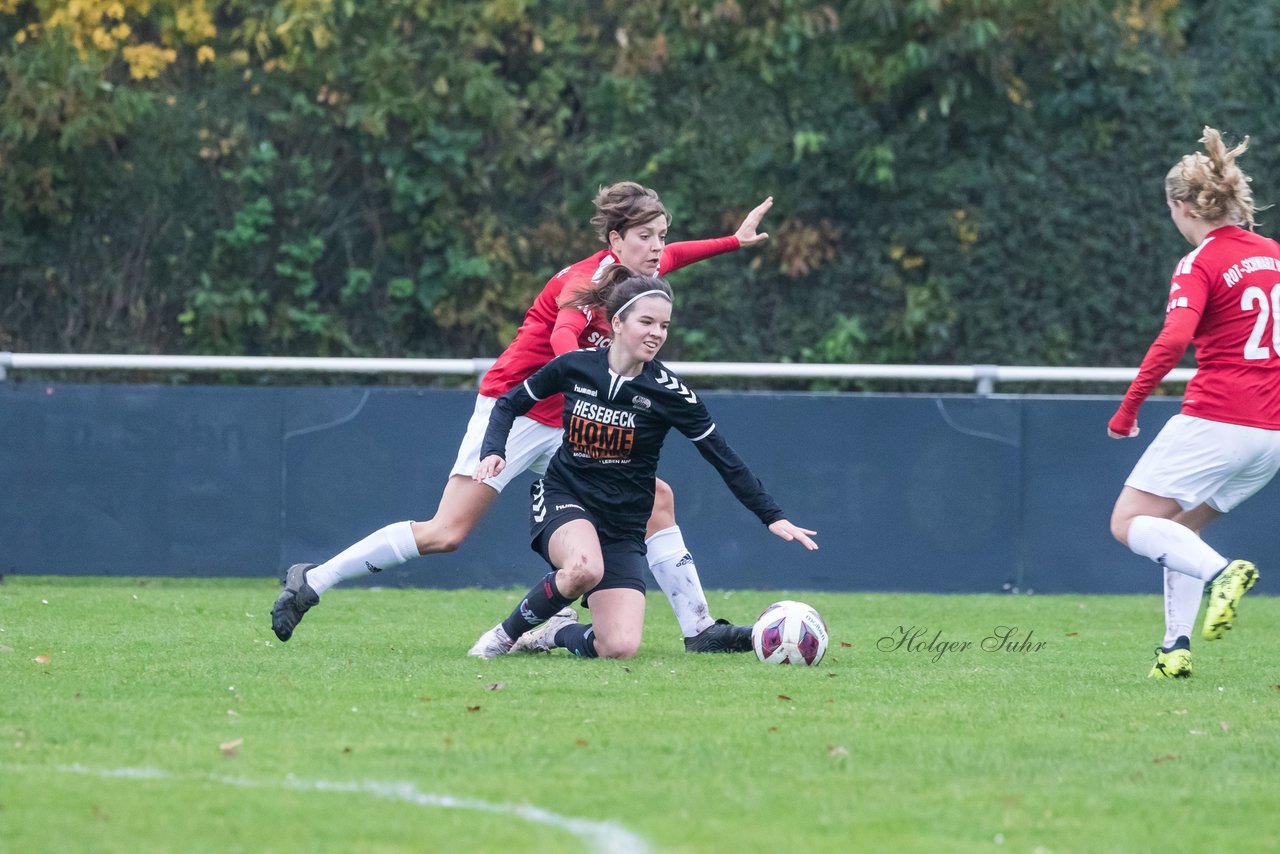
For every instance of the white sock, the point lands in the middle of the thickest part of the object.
(1181, 604)
(1174, 546)
(677, 575)
(383, 549)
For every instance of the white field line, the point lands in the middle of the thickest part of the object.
(601, 836)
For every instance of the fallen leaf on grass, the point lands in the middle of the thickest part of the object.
(783, 697)
(1168, 757)
(228, 748)
(773, 729)
(424, 699)
(837, 750)
(473, 708)
(41, 659)
(1072, 634)
(1225, 726)
(845, 644)
(495, 686)
(581, 742)
(346, 750)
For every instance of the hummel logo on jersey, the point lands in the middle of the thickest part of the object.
(675, 385)
(641, 402)
(580, 390)
(371, 567)
(560, 507)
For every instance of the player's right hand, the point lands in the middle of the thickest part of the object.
(490, 466)
(746, 233)
(1122, 425)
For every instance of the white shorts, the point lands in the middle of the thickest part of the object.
(1195, 461)
(530, 446)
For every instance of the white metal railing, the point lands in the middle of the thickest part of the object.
(984, 377)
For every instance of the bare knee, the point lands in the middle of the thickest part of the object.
(1120, 527)
(580, 573)
(437, 537)
(1134, 503)
(617, 647)
(462, 505)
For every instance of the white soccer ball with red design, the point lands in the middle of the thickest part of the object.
(789, 632)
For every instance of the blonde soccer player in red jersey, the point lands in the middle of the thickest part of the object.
(1224, 445)
(632, 222)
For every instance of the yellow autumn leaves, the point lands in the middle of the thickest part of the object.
(108, 27)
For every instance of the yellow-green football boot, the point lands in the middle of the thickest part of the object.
(1225, 593)
(1174, 662)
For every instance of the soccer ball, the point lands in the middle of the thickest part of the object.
(789, 632)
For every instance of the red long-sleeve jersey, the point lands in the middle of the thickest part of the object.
(549, 330)
(1224, 299)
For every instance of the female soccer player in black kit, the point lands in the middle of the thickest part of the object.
(589, 511)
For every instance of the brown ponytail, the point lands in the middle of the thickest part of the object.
(617, 287)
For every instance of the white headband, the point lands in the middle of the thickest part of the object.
(627, 304)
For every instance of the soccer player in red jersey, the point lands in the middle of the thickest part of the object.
(631, 220)
(1224, 445)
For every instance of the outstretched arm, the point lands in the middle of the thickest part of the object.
(748, 489)
(687, 252)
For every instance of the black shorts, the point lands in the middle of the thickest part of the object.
(625, 560)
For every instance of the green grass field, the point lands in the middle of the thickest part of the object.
(163, 715)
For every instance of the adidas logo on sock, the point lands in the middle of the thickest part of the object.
(687, 559)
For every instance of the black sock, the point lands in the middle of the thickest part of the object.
(541, 603)
(578, 639)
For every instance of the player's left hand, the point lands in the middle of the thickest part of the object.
(790, 532)
(746, 233)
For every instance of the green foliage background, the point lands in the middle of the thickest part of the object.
(956, 180)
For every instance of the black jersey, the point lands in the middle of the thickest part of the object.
(614, 427)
